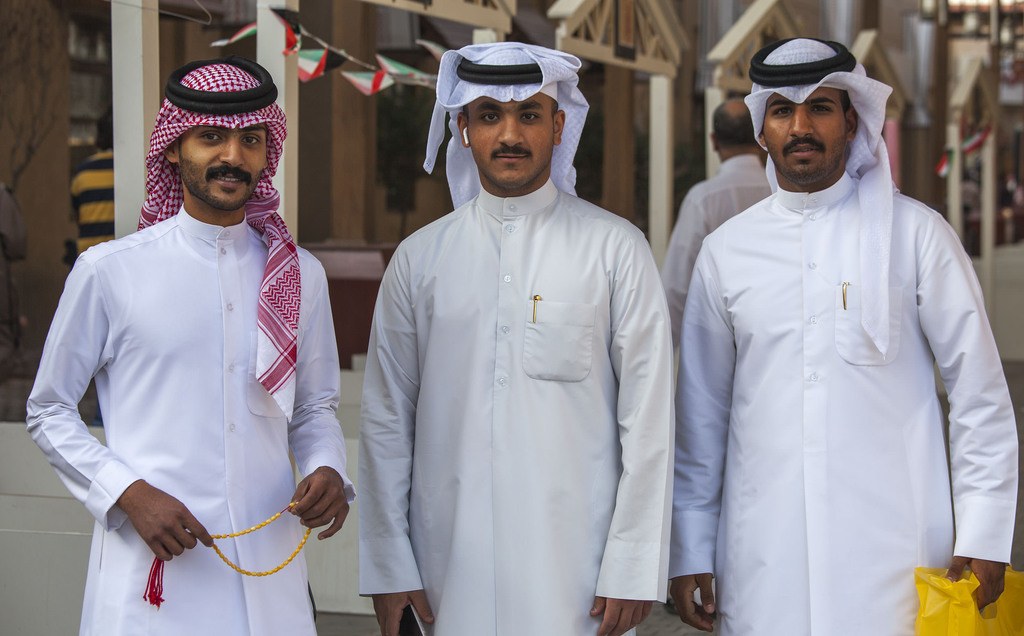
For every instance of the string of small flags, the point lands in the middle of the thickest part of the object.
(316, 62)
(969, 146)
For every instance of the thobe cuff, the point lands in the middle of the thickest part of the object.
(630, 570)
(693, 544)
(331, 461)
(984, 528)
(104, 491)
(387, 565)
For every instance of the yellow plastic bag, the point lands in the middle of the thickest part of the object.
(948, 608)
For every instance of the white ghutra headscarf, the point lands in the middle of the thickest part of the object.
(558, 79)
(796, 68)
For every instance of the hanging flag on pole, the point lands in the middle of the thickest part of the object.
(247, 31)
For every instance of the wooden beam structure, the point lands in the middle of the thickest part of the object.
(763, 22)
(868, 50)
(483, 14)
(639, 35)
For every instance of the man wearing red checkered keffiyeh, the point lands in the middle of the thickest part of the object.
(210, 337)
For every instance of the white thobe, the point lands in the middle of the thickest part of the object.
(811, 472)
(739, 183)
(166, 321)
(516, 464)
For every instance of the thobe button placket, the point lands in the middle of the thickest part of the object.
(231, 427)
(231, 368)
(502, 381)
(510, 228)
(814, 320)
(507, 278)
(812, 217)
(231, 306)
(505, 329)
(223, 251)
(812, 265)
(813, 377)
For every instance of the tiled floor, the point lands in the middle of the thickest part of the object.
(660, 623)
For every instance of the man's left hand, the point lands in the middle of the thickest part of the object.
(320, 499)
(620, 615)
(990, 574)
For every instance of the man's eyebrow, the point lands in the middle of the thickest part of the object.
(530, 104)
(489, 106)
(255, 128)
(822, 100)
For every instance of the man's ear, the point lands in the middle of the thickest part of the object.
(852, 121)
(559, 126)
(463, 125)
(171, 153)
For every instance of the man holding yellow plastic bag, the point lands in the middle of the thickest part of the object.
(950, 608)
(811, 468)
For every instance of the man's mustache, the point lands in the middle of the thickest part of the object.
(506, 150)
(803, 141)
(228, 171)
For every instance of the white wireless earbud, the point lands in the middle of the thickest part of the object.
(465, 135)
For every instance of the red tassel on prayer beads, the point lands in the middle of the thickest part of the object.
(155, 586)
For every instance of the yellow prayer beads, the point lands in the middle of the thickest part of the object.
(256, 527)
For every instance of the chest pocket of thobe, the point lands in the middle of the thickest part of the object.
(559, 340)
(259, 400)
(853, 343)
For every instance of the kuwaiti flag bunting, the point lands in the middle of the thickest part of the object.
(292, 29)
(369, 83)
(975, 141)
(405, 74)
(434, 48)
(970, 145)
(315, 62)
(942, 168)
(247, 31)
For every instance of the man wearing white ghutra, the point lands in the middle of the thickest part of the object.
(515, 445)
(811, 471)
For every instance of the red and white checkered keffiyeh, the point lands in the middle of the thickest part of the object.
(278, 312)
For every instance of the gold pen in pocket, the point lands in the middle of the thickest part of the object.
(536, 299)
(845, 285)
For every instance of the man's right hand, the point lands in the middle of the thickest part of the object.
(163, 522)
(700, 616)
(389, 608)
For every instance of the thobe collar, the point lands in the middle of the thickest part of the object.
(802, 202)
(739, 164)
(214, 234)
(501, 208)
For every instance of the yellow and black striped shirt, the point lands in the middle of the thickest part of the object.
(92, 197)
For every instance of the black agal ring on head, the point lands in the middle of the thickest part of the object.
(499, 75)
(222, 102)
(775, 75)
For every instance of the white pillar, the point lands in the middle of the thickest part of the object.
(659, 206)
(269, 44)
(137, 91)
(713, 98)
(988, 220)
(954, 202)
